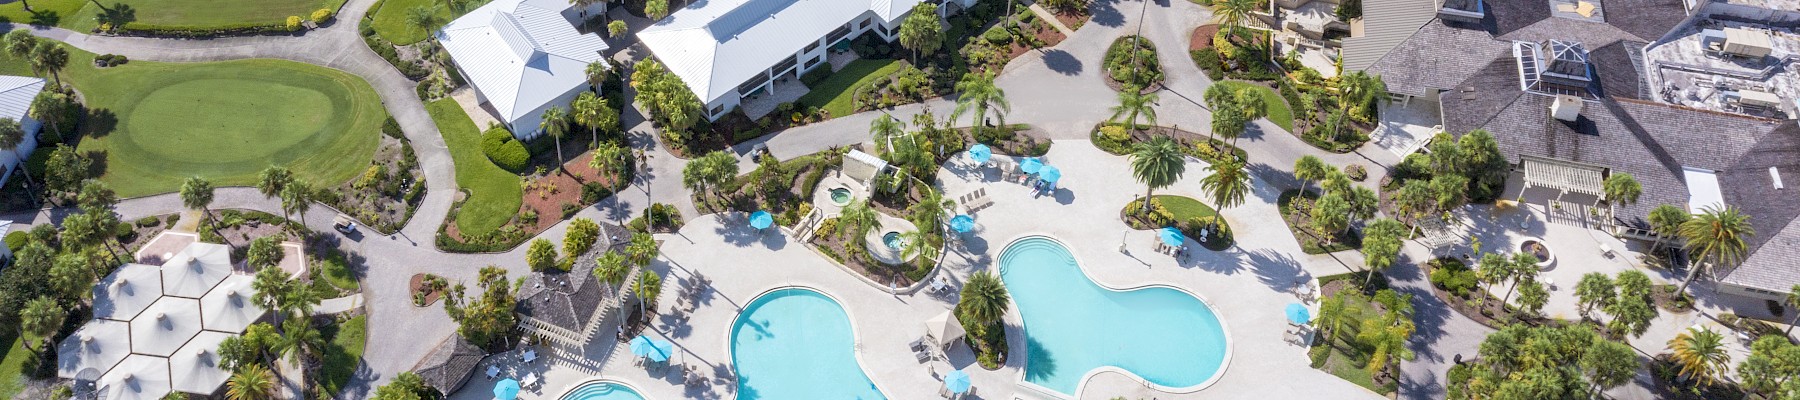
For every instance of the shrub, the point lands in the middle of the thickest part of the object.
(1452, 276)
(293, 23)
(997, 35)
(1112, 139)
(541, 255)
(392, 128)
(505, 151)
(369, 177)
(1124, 53)
(581, 236)
(147, 222)
(109, 60)
(172, 219)
(1356, 172)
(17, 239)
(322, 15)
(1208, 60)
(616, 28)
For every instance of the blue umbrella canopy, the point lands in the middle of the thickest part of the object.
(962, 223)
(1050, 174)
(957, 381)
(1297, 314)
(1171, 236)
(1031, 165)
(506, 389)
(980, 153)
(761, 219)
(656, 350)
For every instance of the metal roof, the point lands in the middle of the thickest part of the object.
(195, 368)
(1386, 23)
(16, 94)
(98, 346)
(521, 54)
(1563, 175)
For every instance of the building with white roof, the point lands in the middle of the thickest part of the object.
(523, 57)
(725, 50)
(16, 94)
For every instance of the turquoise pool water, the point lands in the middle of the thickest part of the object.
(797, 344)
(1073, 325)
(602, 391)
(893, 240)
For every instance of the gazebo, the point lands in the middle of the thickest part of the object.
(96, 347)
(196, 269)
(165, 326)
(139, 377)
(195, 368)
(944, 329)
(229, 307)
(1564, 176)
(127, 291)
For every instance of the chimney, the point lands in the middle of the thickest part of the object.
(1566, 108)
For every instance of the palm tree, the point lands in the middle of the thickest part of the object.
(1620, 189)
(883, 130)
(1310, 168)
(922, 32)
(423, 18)
(1331, 316)
(1793, 301)
(296, 199)
(646, 288)
(858, 218)
(642, 249)
(300, 340)
(272, 180)
(1666, 221)
(1227, 183)
(271, 287)
(609, 157)
(611, 267)
(51, 107)
(50, 58)
(596, 72)
(251, 382)
(19, 43)
(12, 136)
(1157, 164)
(928, 213)
(593, 111)
(555, 122)
(1490, 271)
(1131, 104)
(1233, 13)
(977, 93)
(1716, 235)
(41, 318)
(1701, 354)
(984, 300)
(197, 194)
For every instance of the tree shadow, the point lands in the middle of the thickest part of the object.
(100, 161)
(1062, 62)
(1106, 13)
(117, 15)
(1039, 363)
(99, 123)
(1277, 270)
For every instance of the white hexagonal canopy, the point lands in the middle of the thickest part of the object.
(139, 377)
(228, 307)
(99, 346)
(127, 291)
(195, 368)
(196, 269)
(164, 327)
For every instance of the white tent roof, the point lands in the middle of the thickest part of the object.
(944, 328)
(164, 327)
(228, 307)
(1703, 189)
(195, 368)
(16, 94)
(196, 269)
(521, 54)
(99, 345)
(140, 377)
(715, 45)
(126, 292)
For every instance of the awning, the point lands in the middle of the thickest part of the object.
(195, 368)
(944, 328)
(140, 377)
(97, 346)
(196, 269)
(1567, 176)
(165, 326)
(229, 308)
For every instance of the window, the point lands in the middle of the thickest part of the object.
(719, 109)
(752, 84)
(838, 33)
(814, 61)
(811, 47)
(865, 23)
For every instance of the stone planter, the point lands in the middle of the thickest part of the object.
(1540, 249)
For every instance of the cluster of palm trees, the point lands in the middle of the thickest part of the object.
(44, 56)
(613, 267)
(587, 109)
(1159, 163)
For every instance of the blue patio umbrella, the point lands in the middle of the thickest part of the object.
(1050, 174)
(962, 223)
(506, 389)
(761, 219)
(957, 381)
(980, 153)
(644, 346)
(1031, 165)
(1171, 236)
(1297, 314)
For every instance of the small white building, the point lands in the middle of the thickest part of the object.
(16, 94)
(725, 50)
(524, 56)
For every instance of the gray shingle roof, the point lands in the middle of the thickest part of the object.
(448, 365)
(569, 299)
(1437, 57)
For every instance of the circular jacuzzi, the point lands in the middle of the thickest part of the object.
(893, 240)
(840, 196)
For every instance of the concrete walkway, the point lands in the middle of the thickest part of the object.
(339, 305)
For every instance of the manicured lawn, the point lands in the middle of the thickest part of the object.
(157, 124)
(43, 12)
(390, 19)
(12, 365)
(835, 92)
(204, 13)
(343, 351)
(1184, 208)
(336, 271)
(1278, 108)
(1342, 357)
(494, 194)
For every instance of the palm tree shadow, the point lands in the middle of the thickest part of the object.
(1039, 363)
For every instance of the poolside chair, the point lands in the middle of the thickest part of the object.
(917, 345)
(924, 356)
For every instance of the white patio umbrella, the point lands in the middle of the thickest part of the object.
(228, 307)
(196, 269)
(139, 377)
(161, 329)
(195, 368)
(127, 291)
(98, 346)
(944, 328)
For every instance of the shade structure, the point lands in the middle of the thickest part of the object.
(1297, 314)
(506, 389)
(229, 307)
(97, 346)
(196, 269)
(1050, 174)
(655, 350)
(1031, 165)
(1171, 236)
(962, 223)
(164, 327)
(139, 377)
(127, 291)
(195, 368)
(761, 220)
(957, 381)
(944, 328)
(980, 153)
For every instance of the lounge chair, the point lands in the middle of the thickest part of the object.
(923, 356)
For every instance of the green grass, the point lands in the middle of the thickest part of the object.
(1341, 357)
(343, 351)
(390, 20)
(835, 92)
(43, 12)
(1184, 208)
(1278, 108)
(336, 271)
(203, 13)
(494, 194)
(154, 124)
(12, 365)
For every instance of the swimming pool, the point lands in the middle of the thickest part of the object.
(602, 390)
(1073, 326)
(797, 344)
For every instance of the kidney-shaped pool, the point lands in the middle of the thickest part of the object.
(797, 343)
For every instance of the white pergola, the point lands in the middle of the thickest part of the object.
(228, 307)
(139, 377)
(1564, 176)
(165, 326)
(196, 269)
(97, 346)
(127, 291)
(195, 368)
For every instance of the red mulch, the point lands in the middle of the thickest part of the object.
(418, 283)
(1202, 37)
(547, 194)
(1047, 33)
(1072, 19)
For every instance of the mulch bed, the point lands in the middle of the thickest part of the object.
(1202, 37)
(1664, 297)
(547, 195)
(369, 205)
(891, 275)
(1072, 19)
(417, 284)
(1488, 315)
(1299, 221)
(1046, 33)
(1663, 367)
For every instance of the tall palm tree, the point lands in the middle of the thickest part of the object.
(41, 318)
(12, 137)
(646, 288)
(1793, 302)
(1227, 183)
(1157, 164)
(1620, 189)
(977, 93)
(596, 72)
(300, 340)
(1331, 316)
(272, 180)
(51, 107)
(611, 267)
(642, 249)
(251, 382)
(1310, 168)
(197, 194)
(858, 218)
(19, 43)
(984, 300)
(1701, 354)
(296, 199)
(1233, 13)
(929, 212)
(556, 121)
(423, 18)
(50, 58)
(594, 112)
(1716, 237)
(883, 130)
(1132, 104)
(609, 157)
(1666, 221)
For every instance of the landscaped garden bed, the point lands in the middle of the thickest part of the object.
(1340, 345)
(549, 196)
(1275, 107)
(426, 289)
(1456, 283)
(1186, 214)
(386, 194)
(781, 187)
(1011, 139)
(1296, 212)
(1118, 139)
(200, 18)
(1131, 63)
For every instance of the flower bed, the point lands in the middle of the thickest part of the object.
(1117, 139)
(1131, 62)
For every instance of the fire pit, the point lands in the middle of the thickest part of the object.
(1540, 250)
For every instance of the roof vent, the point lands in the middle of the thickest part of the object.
(1775, 174)
(1566, 108)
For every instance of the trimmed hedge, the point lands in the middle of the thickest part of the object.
(505, 151)
(392, 129)
(188, 31)
(16, 240)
